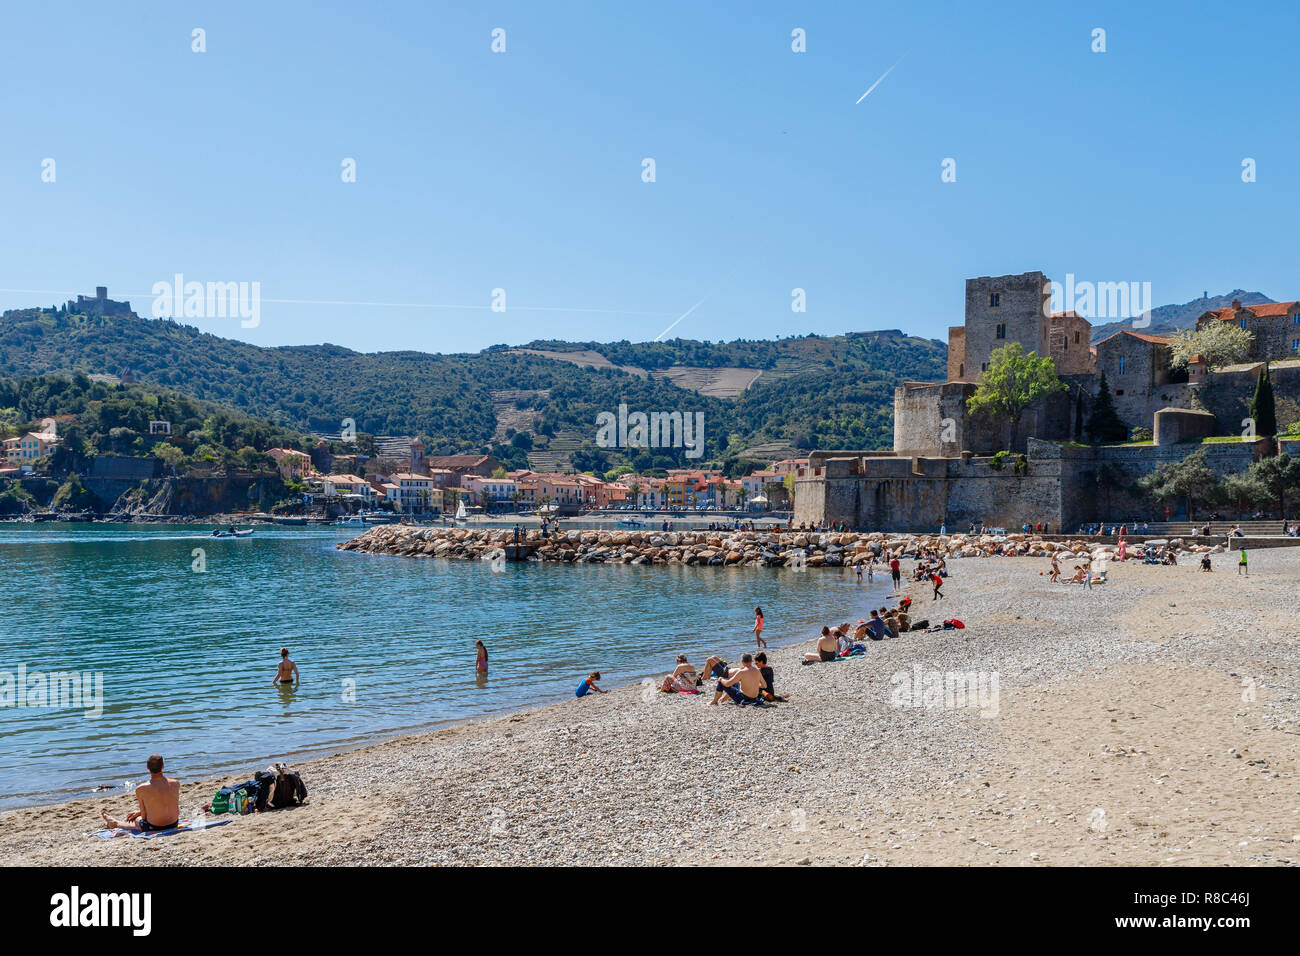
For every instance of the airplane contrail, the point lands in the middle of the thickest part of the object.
(879, 81)
(660, 336)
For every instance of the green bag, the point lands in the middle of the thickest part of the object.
(221, 802)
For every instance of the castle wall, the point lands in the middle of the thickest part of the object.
(957, 354)
(1065, 486)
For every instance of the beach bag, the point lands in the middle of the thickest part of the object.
(920, 625)
(954, 623)
(289, 789)
(221, 802)
(265, 786)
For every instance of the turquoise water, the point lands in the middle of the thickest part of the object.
(187, 657)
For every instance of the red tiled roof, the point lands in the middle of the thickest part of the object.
(1153, 339)
(1265, 310)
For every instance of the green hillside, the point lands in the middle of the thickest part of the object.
(832, 391)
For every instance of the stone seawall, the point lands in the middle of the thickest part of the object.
(715, 548)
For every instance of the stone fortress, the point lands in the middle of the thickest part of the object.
(941, 472)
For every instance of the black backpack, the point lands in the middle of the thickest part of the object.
(288, 790)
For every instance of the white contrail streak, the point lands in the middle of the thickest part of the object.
(660, 336)
(879, 81)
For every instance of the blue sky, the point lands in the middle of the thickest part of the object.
(522, 170)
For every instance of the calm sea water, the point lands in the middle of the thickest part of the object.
(187, 657)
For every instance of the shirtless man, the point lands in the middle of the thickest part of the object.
(745, 686)
(160, 802)
(828, 646)
(286, 672)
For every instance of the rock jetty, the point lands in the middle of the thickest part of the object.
(717, 548)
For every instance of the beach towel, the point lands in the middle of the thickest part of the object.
(184, 826)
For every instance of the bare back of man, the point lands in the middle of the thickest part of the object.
(159, 801)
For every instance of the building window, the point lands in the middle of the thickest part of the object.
(995, 299)
(1295, 345)
(1119, 391)
(1243, 323)
(984, 367)
(1002, 330)
(961, 370)
(1121, 364)
(1295, 319)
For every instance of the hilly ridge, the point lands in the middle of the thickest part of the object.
(802, 391)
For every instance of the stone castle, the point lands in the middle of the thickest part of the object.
(941, 470)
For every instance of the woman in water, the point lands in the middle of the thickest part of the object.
(480, 665)
(758, 627)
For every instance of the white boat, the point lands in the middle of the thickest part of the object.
(353, 520)
(629, 523)
(461, 513)
(231, 534)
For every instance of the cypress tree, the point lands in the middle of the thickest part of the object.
(1105, 424)
(1262, 408)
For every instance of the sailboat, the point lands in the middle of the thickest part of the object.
(461, 514)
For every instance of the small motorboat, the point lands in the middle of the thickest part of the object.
(629, 523)
(231, 534)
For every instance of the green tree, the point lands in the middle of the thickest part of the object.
(1191, 479)
(1013, 381)
(1219, 343)
(1277, 477)
(1105, 425)
(171, 456)
(1262, 408)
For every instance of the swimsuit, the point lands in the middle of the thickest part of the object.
(147, 827)
(826, 655)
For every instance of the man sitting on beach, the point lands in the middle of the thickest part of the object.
(159, 799)
(828, 647)
(769, 680)
(879, 631)
(745, 686)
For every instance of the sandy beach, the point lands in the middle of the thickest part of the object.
(1153, 720)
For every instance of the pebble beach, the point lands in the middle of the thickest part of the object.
(1154, 719)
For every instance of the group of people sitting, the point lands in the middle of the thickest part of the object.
(752, 681)
(846, 640)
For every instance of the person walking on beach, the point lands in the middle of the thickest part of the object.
(859, 570)
(1241, 565)
(896, 572)
(159, 799)
(758, 627)
(286, 672)
(1056, 571)
(481, 663)
(938, 583)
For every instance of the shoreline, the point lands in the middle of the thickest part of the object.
(1122, 737)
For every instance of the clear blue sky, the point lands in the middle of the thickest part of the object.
(522, 170)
